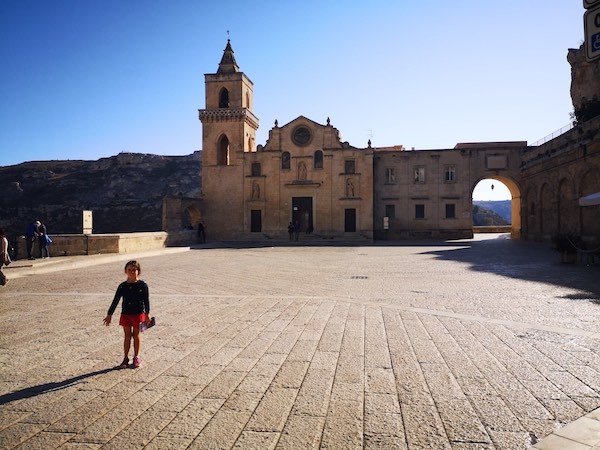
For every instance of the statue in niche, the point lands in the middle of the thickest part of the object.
(255, 191)
(302, 171)
(349, 188)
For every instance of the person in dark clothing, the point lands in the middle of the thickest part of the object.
(135, 310)
(31, 235)
(291, 231)
(201, 233)
(296, 230)
(43, 240)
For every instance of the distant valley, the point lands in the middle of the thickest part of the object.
(492, 212)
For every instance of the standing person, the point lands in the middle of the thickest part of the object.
(4, 256)
(43, 240)
(134, 310)
(201, 233)
(291, 231)
(296, 230)
(31, 233)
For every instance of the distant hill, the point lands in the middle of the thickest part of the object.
(124, 192)
(492, 212)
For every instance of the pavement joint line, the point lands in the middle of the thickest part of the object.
(471, 318)
(416, 310)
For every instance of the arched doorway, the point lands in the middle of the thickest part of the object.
(500, 189)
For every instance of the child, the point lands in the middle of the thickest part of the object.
(134, 310)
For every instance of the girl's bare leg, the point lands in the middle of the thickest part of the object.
(137, 341)
(127, 340)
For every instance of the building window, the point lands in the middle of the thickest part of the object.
(390, 176)
(419, 211)
(285, 160)
(450, 174)
(390, 211)
(450, 211)
(318, 162)
(223, 152)
(419, 175)
(349, 166)
(224, 98)
(255, 169)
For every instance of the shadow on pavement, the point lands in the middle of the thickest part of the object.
(49, 387)
(525, 260)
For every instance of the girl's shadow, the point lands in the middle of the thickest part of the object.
(49, 387)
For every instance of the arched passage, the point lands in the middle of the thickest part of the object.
(514, 194)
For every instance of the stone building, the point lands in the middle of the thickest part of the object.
(428, 193)
(305, 174)
(558, 173)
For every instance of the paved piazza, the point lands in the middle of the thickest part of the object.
(476, 344)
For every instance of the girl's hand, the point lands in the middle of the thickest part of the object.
(107, 320)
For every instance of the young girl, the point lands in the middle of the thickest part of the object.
(134, 310)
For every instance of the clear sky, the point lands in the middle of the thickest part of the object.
(86, 79)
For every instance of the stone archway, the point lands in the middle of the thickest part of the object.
(515, 194)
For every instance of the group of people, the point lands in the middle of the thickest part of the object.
(295, 228)
(36, 231)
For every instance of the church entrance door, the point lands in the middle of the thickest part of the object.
(302, 212)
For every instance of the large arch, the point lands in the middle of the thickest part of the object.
(515, 197)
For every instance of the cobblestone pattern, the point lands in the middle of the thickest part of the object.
(489, 344)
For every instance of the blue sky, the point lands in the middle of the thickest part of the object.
(86, 79)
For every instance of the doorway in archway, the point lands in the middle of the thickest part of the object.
(492, 205)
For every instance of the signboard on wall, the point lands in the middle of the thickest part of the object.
(87, 222)
(591, 22)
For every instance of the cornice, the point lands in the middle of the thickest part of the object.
(228, 115)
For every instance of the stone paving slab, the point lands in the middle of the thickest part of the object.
(475, 344)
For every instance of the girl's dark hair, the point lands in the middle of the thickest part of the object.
(135, 264)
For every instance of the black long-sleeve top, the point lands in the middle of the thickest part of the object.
(136, 299)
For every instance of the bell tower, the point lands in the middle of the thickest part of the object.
(228, 134)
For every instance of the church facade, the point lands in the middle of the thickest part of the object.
(307, 176)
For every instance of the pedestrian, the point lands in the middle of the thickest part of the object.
(31, 234)
(201, 233)
(135, 310)
(4, 256)
(296, 230)
(291, 231)
(43, 240)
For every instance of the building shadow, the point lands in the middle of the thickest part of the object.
(525, 260)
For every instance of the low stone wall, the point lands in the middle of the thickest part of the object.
(490, 229)
(92, 244)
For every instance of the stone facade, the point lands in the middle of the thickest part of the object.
(306, 174)
(555, 175)
(428, 193)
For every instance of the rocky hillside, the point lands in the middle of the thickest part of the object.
(502, 208)
(125, 192)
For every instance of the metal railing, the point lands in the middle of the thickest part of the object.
(551, 136)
